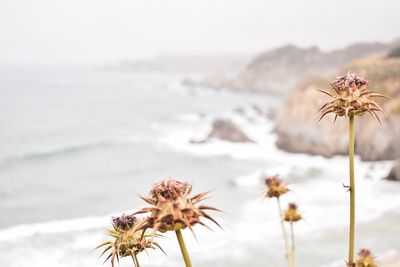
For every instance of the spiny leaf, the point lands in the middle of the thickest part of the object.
(148, 200)
(108, 248)
(204, 207)
(325, 92)
(211, 219)
(109, 256)
(157, 245)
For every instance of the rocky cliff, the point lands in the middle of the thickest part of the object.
(298, 130)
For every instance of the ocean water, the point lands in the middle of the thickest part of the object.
(78, 145)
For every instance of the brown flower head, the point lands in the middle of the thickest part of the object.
(173, 209)
(291, 214)
(127, 240)
(170, 189)
(350, 96)
(366, 259)
(275, 186)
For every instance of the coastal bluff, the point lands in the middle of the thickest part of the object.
(298, 131)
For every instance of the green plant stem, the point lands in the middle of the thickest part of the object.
(293, 243)
(135, 260)
(182, 245)
(352, 191)
(288, 254)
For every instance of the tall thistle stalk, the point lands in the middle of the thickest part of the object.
(352, 189)
(284, 234)
(350, 98)
(293, 244)
(184, 251)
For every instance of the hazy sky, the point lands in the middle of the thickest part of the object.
(100, 31)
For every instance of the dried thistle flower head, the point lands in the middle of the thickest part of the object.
(127, 240)
(275, 186)
(173, 209)
(170, 189)
(351, 97)
(366, 259)
(291, 214)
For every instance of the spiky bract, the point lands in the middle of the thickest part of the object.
(173, 209)
(351, 97)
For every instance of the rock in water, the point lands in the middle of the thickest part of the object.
(227, 130)
(394, 174)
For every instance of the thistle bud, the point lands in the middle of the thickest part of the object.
(275, 187)
(350, 97)
(365, 259)
(291, 214)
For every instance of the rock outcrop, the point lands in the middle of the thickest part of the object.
(298, 130)
(394, 174)
(226, 130)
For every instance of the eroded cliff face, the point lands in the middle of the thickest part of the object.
(298, 130)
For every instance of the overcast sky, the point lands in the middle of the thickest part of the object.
(103, 31)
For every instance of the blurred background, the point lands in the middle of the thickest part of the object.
(100, 99)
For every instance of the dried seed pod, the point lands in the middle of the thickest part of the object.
(173, 209)
(366, 259)
(291, 214)
(275, 187)
(127, 239)
(350, 96)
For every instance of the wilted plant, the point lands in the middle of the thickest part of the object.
(172, 209)
(275, 188)
(127, 241)
(350, 98)
(291, 216)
